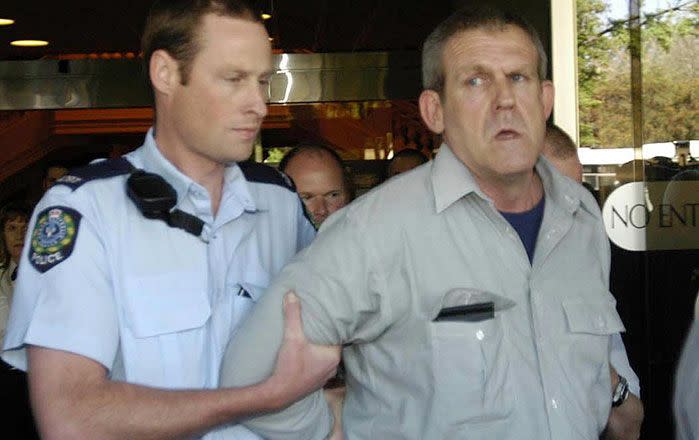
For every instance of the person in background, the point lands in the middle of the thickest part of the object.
(504, 331)
(54, 171)
(625, 418)
(141, 268)
(325, 186)
(16, 418)
(321, 178)
(405, 160)
(561, 151)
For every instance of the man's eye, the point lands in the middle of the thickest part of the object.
(518, 77)
(475, 81)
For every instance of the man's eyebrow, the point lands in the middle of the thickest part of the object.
(472, 68)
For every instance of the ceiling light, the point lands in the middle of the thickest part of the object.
(6, 21)
(265, 16)
(29, 43)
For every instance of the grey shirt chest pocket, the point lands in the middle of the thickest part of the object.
(165, 304)
(590, 325)
(471, 369)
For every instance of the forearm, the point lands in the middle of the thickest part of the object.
(625, 420)
(84, 405)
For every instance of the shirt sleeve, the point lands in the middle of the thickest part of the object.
(66, 304)
(620, 361)
(343, 301)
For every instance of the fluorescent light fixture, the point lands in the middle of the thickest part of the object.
(29, 43)
(265, 16)
(6, 21)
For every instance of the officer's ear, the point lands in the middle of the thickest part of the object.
(431, 110)
(164, 71)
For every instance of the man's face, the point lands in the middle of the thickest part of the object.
(319, 182)
(13, 234)
(218, 113)
(494, 107)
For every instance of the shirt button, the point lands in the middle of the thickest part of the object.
(554, 404)
(480, 335)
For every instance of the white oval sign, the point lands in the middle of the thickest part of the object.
(642, 216)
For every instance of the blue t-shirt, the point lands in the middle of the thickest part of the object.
(527, 225)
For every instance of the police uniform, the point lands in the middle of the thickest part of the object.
(154, 304)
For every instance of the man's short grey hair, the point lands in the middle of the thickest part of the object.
(471, 18)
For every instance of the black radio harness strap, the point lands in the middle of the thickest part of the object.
(150, 192)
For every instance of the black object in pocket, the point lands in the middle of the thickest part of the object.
(469, 313)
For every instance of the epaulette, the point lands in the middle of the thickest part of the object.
(98, 170)
(260, 173)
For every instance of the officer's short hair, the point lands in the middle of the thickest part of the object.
(172, 25)
(321, 148)
(465, 19)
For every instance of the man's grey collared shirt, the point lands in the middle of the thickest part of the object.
(378, 274)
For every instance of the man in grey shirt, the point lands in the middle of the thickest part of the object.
(477, 307)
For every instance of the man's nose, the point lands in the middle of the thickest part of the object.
(257, 99)
(318, 207)
(505, 97)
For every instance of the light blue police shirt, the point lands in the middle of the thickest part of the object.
(154, 304)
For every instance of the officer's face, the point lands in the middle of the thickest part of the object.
(494, 106)
(13, 235)
(218, 113)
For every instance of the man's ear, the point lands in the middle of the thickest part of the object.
(431, 110)
(164, 71)
(547, 95)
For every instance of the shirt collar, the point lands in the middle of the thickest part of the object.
(561, 190)
(452, 180)
(234, 183)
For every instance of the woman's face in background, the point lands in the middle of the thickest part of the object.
(13, 232)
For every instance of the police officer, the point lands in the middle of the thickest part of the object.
(138, 270)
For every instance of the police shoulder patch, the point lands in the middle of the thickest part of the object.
(260, 173)
(53, 237)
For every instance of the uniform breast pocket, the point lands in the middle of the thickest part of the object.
(164, 342)
(158, 305)
(471, 371)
